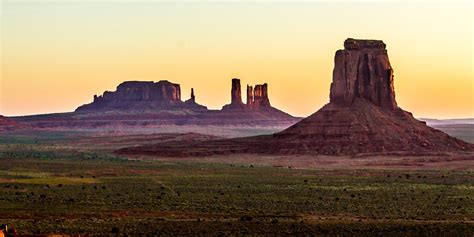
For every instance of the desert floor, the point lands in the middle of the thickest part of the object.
(72, 183)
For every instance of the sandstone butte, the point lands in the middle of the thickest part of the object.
(142, 95)
(138, 104)
(164, 95)
(362, 117)
(257, 100)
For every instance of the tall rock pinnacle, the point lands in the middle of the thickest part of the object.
(236, 98)
(257, 98)
(236, 94)
(249, 95)
(193, 98)
(362, 70)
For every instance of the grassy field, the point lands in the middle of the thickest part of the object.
(52, 187)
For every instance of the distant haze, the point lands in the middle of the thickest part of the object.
(55, 55)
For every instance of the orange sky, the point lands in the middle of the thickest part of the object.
(56, 55)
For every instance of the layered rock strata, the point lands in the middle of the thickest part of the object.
(257, 98)
(362, 118)
(236, 103)
(139, 95)
(362, 70)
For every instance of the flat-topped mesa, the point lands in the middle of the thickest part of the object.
(137, 95)
(358, 44)
(164, 91)
(363, 70)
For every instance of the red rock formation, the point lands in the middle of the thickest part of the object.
(193, 98)
(257, 98)
(260, 97)
(235, 92)
(137, 95)
(191, 103)
(363, 70)
(138, 90)
(361, 118)
(236, 98)
(249, 96)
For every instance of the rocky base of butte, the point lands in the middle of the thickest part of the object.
(362, 117)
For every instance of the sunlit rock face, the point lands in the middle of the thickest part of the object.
(257, 98)
(362, 70)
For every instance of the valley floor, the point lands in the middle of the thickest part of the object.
(76, 185)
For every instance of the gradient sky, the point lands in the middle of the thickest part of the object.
(55, 55)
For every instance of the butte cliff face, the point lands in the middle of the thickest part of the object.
(362, 70)
(362, 117)
(236, 103)
(140, 95)
(257, 99)
(152, 104)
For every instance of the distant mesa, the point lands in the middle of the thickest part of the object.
(137, 96)
(141, 95)
(362, 117)
(148, 104)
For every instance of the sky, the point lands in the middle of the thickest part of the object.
(55, 55)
